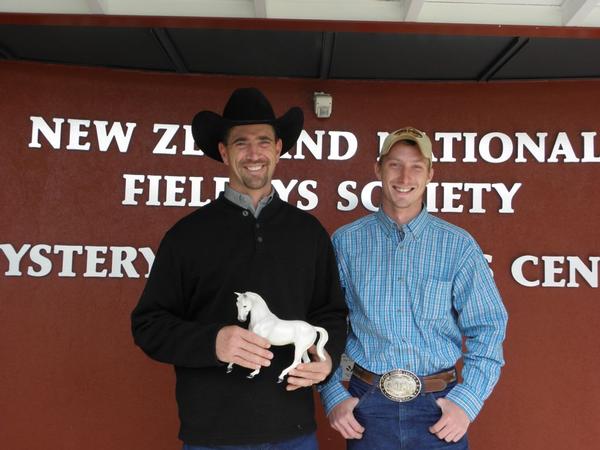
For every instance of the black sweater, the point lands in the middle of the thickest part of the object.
(284, 255)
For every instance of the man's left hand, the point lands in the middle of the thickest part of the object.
(454, 421)
(307, 374)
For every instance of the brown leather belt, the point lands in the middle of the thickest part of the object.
(431, 383)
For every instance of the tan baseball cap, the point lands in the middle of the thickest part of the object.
(412, 134)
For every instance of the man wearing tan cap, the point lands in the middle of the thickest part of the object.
(415, 286)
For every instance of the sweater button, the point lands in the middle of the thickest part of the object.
(259, 239)
(245, 213)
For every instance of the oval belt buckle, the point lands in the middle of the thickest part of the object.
(400, 385)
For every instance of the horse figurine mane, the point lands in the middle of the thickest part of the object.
(279, 332)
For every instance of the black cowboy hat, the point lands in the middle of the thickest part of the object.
(246, 106)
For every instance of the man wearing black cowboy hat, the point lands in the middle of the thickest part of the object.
(246, 240)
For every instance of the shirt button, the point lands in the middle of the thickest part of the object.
(259, 239)
(401, 279)
(245, 213)
(258, 225)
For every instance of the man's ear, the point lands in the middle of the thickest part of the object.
(377, 169)
(278, 148)
(430, 175)
(223, 153)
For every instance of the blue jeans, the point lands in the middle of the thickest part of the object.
(391, 425)
(304, 442)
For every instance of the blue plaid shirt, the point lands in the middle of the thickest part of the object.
(413, 293)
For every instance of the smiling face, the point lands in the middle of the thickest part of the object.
(404, 173)
(251, 152)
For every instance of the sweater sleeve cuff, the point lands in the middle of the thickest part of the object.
(466, 399)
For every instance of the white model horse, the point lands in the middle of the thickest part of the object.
(279, 332)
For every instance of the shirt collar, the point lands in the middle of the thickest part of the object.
(245, 201)
(416, 226)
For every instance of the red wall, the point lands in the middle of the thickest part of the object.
(70, 375)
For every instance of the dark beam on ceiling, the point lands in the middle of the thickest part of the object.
(4, 53)
(163, 38)
(326, 54)
(511, 50)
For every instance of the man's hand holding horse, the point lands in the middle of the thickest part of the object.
(310, 373)
(242, 347)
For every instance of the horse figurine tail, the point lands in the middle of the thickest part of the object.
(322, 340)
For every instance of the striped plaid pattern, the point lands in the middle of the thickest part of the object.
(411, 300)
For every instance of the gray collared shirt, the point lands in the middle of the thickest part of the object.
(245, 201)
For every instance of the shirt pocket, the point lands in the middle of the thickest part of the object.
(433, 306)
